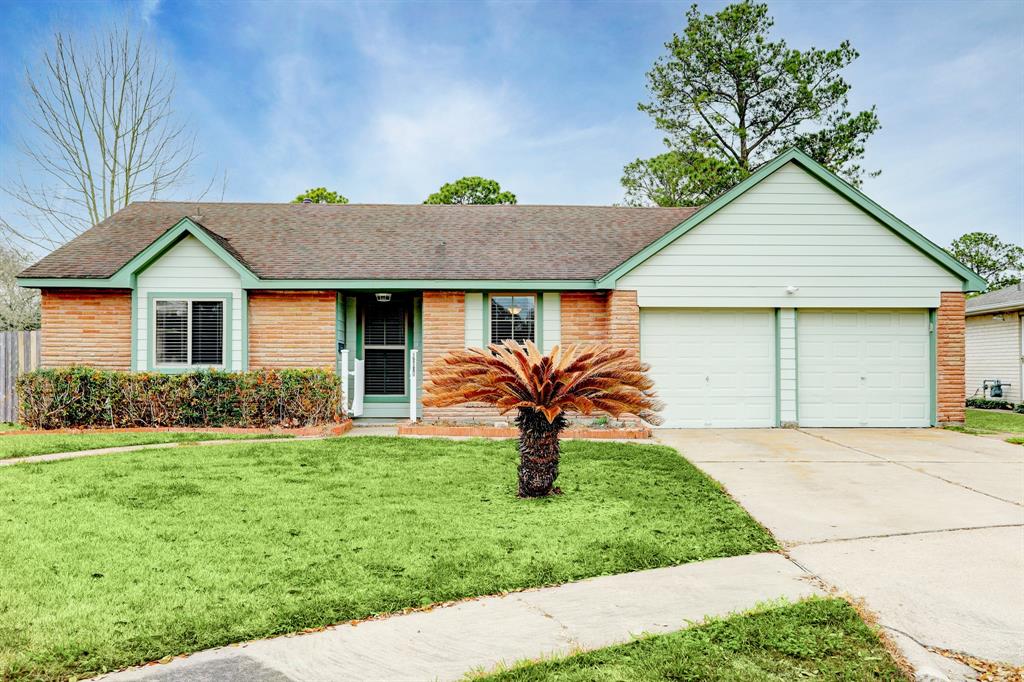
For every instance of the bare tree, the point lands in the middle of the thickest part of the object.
(103, 133)
(19, 308)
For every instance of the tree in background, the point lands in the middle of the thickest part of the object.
(103, 135)
(677, 179)
(320, 195)
(19, 308)
(471, 190)
(729, 99)
(999, 263)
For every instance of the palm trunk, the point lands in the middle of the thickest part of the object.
(538, 452)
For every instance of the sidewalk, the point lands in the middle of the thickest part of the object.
(448, 642)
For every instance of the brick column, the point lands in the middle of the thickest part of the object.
(292, 329)
(90, 327)
(624, 320)
(584, 317)
(950, 351)
(444, 329)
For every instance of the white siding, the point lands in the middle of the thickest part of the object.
(787, 366)
(790, 230)
(188, 266)
(994, 352)
(552, 320)
(474, 320)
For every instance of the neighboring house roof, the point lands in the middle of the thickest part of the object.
(364, 241)
(318, 244)
(1010, 298)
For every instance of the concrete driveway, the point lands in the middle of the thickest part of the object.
(926, 525)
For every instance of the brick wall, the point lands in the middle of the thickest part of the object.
(87, 327)
(624, 320)
(949, 350)
(291, 329)
(584, 317)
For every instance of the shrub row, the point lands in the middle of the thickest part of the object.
(990, 404)
(74, 397)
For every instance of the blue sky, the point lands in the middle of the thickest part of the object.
(385, 102)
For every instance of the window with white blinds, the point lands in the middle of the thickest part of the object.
(189, 332)
(384, 349)
(513, 317)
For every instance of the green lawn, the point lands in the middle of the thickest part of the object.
(815, 639)
(10, 426)
(993, 421)
(45, 443)
(115, 560)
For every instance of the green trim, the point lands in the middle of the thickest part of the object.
(404, 399)
(151, 365)
(135, 331)
(339, 331)
(778, 368)
(245, 330)
(796, 365)
(971, 281)
(397, 285)
(538, 322)
(933, 368)
(70, 282)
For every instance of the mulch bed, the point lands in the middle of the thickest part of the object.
(473, 431)
(336, 429)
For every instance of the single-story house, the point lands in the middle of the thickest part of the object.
(995, 342)
(791, 299)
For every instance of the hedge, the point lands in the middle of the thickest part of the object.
(72, 397)
(989, 404)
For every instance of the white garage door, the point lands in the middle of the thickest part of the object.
(712, 368)
(863, 368)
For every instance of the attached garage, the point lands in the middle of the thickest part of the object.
(863, 368)
(795, 300)
(713, 368)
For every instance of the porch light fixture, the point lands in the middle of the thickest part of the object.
(383, 298)
(792, 289)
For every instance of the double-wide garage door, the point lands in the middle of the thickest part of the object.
(717, 368)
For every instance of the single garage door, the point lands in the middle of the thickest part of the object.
(863, 368)
(712, 368)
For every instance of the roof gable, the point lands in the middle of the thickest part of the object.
(971, 281)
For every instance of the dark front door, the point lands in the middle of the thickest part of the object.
(385, 346)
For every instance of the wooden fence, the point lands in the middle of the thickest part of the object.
(19, 353)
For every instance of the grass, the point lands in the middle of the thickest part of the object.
(10, 426)
(112, 561)
(45, 443)
(817, 638)
(995, 421)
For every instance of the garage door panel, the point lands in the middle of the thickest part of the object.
(863, 368)
(711, 367)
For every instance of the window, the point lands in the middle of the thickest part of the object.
(513, 317)
(384, 341)
(189, 332)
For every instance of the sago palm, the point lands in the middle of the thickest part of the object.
(543, 388)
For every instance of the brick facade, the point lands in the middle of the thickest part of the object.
(950, 351)
(601, 317)
(292, 329)
(87, 327)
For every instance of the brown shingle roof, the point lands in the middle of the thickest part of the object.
(367, 241)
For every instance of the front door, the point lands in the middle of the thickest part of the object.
(385, 341)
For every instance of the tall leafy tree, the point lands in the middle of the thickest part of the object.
(471, 190)
(19, 308)
(998, 262)
(677, 179)
(320, 195)
(729, 98)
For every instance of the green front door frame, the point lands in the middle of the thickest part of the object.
(410, 333)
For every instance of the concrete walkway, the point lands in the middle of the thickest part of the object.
(448, 642)
(926, 525)
(55, 456)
